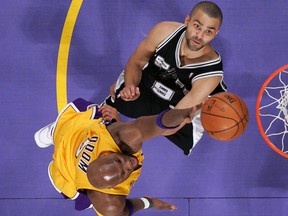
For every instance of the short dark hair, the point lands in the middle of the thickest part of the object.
(210, 8)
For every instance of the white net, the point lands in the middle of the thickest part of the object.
(274, 111)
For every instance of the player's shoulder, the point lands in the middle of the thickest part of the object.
(167, 26)
(162, 30)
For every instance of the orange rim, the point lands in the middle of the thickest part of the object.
(259, 123)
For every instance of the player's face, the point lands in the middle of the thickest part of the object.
(201, 29)
(119, 167)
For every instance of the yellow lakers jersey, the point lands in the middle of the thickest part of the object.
(79, 139)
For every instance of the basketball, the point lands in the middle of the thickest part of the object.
(224, 116)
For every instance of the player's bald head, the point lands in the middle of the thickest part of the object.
(210, 8)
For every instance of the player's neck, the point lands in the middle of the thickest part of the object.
(189, 56)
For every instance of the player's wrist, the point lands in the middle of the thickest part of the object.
(160, 123)
(148, 203)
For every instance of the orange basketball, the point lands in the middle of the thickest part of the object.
(224, 116)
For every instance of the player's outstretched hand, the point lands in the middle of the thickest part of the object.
(192, 112)
(130, 93)
(161, 205)
(109, 113)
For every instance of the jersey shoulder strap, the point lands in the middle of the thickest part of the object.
(180, 29)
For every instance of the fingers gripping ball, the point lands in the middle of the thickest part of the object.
(224, 116)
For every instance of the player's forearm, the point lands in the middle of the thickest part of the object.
(152, 126)
(173, 118)
(133, 70)
(132, 74)
(135, 205)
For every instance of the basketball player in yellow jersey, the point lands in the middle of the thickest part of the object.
(96, 162)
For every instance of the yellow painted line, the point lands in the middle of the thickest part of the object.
(63, 53)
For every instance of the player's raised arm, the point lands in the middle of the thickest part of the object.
(119, 205)
(202, 88)
(141, 56)
(130, 135)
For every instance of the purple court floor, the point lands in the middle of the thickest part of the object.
(41, 69)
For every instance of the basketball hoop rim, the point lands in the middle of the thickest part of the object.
(258, 119)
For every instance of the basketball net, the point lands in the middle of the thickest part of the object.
(272, 111)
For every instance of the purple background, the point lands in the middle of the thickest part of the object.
(237, 178)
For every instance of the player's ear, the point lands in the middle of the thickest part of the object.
(187, 19)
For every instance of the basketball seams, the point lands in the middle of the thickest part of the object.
(227, 129)
(225, 117)
(229, 105)
(230, 110)
(230, 128)
(243, 107)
